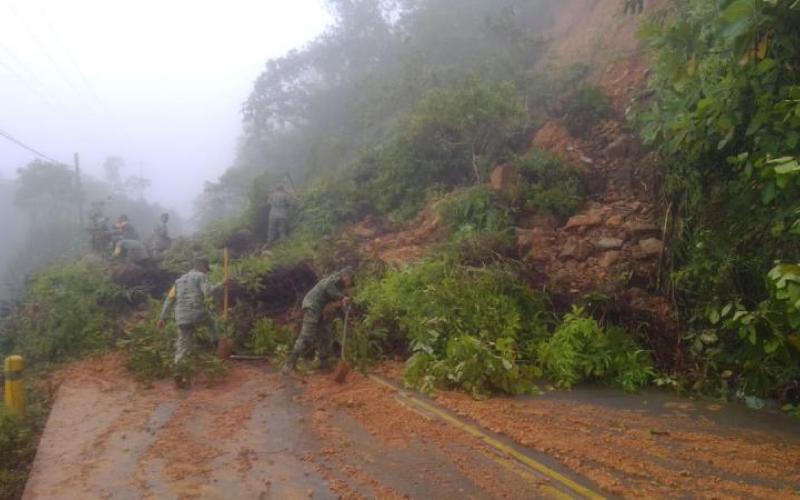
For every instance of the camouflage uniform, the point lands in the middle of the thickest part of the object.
(280, 202)
(124, 231)
(314, 332)
(189, 294)
(634, 6)
(132, 251)
(161, 241)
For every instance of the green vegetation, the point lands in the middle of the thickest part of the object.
(18, 442)
(547, 184)
(581, 350)
(725, 116)
(151, 350)
(583, 108)
(468, 328)
(475, 211)
(270, 339)
(69, 311)
(482, 330)
(452, 137)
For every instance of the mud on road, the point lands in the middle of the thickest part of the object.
(258, 435)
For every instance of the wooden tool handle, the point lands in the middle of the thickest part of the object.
(227, 285)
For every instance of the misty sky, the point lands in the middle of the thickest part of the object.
(159, 83)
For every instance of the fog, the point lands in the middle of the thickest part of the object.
(157, 83)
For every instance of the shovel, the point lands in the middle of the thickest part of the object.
(342, 369)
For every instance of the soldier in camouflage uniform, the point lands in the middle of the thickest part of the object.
(160, 241)
(189, 295)
(123, 230)
(279, 204)
(328, 290)
(131, 251)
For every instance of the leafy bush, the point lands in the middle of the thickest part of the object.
(473, 211)
(764, 336)
(181, 255)
(270, 339)
(468, 328)
(581, 350)
(450, 137)
(584, 107)
(151, 352)
(548, 184)
(249, 272)
(19, 438)
(68, 311)
(725, 115)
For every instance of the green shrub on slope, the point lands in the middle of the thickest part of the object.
(468, 328)
(68, 311)
(581, 350)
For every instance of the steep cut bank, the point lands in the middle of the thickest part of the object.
(613, 246)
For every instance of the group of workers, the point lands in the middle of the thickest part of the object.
(122, 240)
(191, 293)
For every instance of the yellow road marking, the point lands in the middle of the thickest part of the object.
(494, 443)
(519, 469)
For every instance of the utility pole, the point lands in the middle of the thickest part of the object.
(79, 188)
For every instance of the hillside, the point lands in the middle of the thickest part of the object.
(535, 197)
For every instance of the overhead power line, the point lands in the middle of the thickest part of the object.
(52, 28)
(53, 62)
(29, 148)
(28, 80)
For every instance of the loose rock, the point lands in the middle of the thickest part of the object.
(502, 178)
(610, 243)
(651, 247)
(589, 219)
(639, 227)
(579, 250)
(609, 259)
(615, 221)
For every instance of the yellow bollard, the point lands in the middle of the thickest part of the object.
(15, 387)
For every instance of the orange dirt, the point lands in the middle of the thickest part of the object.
(667, 448)
(397, 426)
(406, 245)
(636, 454)
(107, 435)
(252, 435)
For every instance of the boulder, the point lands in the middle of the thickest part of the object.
(579, 250)
(589, 219)
(610, 243)
(535, 244)
(640, 227)
(609, 259)
(502, 178)
(615, 221)
(651, 247)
